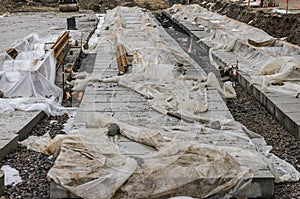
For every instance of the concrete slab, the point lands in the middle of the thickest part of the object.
(31, 22)
(15, 127)
(57, 191)
(288, 107)
(19, 122)
(294, 116)
(113, 96)
(135, 149)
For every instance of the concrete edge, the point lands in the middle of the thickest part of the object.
(12, 144)
(23, 133)
(57, 191)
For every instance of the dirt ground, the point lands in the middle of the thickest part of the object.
(275, 24)
(51, 5)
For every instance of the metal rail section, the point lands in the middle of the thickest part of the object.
(61, 48)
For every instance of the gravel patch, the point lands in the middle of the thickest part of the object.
(248, 111)
(33, 166)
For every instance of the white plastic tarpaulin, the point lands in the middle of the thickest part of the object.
(29, 77)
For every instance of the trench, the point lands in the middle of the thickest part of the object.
(188, 44)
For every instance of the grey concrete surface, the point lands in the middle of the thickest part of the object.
(2, 181)
(14, 127)
(263, 183)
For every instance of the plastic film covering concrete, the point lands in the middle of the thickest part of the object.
(256, 51)
(91, 165)
(96, 168)
(29, 78)
(157, 72)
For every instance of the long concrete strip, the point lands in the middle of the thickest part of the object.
(285, 108)
(132, 108)
(14, 127)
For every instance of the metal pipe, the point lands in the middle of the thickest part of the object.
(287, 7)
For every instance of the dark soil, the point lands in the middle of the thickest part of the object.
(33, 168)
(275, 24)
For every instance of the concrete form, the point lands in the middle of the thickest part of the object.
(283, 107)
(15, 127)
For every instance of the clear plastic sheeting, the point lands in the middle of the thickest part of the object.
(29, 77)
(177, 168)
(91, 166)
(227, 91)
(157, 68)
(48, 105)
(96, 168)
(227, 35)
(195, 159)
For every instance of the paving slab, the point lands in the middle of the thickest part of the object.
(2, 185)
(16, 126)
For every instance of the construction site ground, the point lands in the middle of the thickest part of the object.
(98, 96)
(275, 24)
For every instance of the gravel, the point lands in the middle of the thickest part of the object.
(34, 166)
(248, 111)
